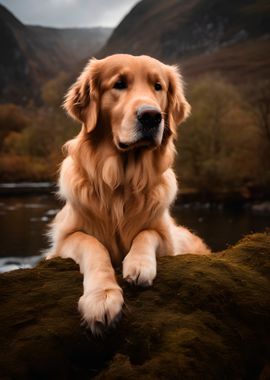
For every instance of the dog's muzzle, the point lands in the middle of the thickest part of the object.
(148, 129)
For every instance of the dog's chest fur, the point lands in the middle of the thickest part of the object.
(117, 221)
(115, 216)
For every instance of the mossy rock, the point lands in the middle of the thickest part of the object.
(204, 318)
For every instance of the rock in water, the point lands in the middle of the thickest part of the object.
(204, 318)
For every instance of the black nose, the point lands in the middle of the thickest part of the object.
(149, 116)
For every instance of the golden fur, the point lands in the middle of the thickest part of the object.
(118, 186)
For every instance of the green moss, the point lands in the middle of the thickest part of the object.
(204, 317)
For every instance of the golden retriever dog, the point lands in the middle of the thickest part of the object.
(117, 179)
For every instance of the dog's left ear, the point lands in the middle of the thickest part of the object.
(178, 107)
(81, 100)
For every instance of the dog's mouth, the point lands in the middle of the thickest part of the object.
(145, 142)
(123, 146)
(149, 138)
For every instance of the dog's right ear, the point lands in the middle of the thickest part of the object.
(178, 106)
(81, 100)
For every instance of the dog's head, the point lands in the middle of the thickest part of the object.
(135, 101)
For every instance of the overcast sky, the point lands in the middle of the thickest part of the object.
(70, 13)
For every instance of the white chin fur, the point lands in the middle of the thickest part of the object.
(140, 141)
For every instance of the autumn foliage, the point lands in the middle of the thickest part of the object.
(223, 146)
(31, 138)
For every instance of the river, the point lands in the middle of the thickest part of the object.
(24, 220)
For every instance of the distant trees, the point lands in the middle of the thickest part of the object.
(223, 146)
(53, 91)
(31, 138)
(13, 118)
(258, 97)
(218, 144)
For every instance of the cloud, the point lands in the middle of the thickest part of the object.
(70, 13)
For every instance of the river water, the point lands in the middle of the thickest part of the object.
(24, 220)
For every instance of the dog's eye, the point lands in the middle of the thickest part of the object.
(120, 84)
(158, 86)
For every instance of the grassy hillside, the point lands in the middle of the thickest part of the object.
(242, 62)
(183, 31)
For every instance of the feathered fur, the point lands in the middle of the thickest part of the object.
(117, 202)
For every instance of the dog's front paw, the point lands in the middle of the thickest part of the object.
(101, 308)
(139, 270)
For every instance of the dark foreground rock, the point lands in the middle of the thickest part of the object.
(204, 318)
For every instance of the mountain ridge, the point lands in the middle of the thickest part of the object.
(35, 54)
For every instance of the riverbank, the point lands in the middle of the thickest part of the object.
(26, 188)
(228, 198)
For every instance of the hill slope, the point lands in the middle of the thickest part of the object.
(174, 30)
(32, 54)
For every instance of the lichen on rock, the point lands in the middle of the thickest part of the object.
(205, 317)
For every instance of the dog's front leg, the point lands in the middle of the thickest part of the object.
(102, 299)
(140, 266)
